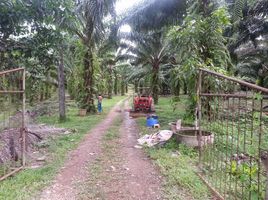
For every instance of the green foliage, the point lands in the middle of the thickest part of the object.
(200, 43)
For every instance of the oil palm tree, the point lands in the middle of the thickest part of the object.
(87, 23)
(148, 52)
(108, 62)
(249, 21)
(249, 46)
(252, 61)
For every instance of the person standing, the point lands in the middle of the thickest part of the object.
(100, 103)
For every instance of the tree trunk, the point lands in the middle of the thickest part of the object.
(155, 83)
(126, 88)
(42, 92)
(115, 83)
(110, 83)
(47, 88)
(47, 95)
(122, 88)
(185, 89)
(88, 98)
(61, 88)
(136, 86)
(176, 92)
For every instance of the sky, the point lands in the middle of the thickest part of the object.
(121, 7)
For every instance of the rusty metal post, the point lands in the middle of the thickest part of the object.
(24, 145)
(199, 91)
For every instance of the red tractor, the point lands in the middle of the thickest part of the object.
(143, 102)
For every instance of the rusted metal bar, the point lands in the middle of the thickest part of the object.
(216, 138)
(244, 96)
(11, 173)
(237, 143)
(11, 92)
(24, 146)
(259, 146)
(225, 95)
(251, 141)
(244, 141)
(214, 191)
(232, 146)
(11, 71)
(227, 175)
(250, 85)
(199, 90)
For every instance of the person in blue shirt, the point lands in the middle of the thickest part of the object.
(100, 103)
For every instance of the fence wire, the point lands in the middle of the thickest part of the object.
(234, 113)
(12, 131)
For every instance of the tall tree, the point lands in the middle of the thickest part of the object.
(149, 51)
(249, 45)
(87, 24)
(61, 80)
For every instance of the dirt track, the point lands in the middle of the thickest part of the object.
(133, 175)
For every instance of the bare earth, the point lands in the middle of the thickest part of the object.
(129, 173)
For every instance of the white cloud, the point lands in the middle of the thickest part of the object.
(125, 29)
(123, 5)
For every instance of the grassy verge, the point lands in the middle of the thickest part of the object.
(29, 182)
(176, 162)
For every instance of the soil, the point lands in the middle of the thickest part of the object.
(142, 180)
(112, 170)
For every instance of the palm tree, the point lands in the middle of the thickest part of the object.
(250, 40)
(121, 70)
(252, 61)
(87, 23)
(149, 52)
(108, 66)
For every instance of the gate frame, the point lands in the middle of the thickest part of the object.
(23, 128)
(199, 93)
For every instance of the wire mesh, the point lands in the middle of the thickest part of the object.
(234, 113)
(12, 131)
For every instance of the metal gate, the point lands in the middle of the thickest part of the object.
(233, 136)
(12, 122)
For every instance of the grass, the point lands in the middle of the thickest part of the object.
(29, 182)
(177, 162)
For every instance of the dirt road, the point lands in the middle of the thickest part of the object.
(107, 169)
